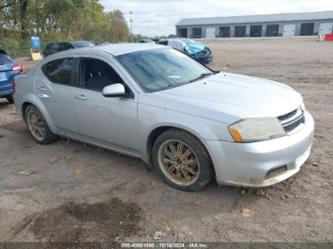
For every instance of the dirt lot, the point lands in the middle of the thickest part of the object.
(68, 191)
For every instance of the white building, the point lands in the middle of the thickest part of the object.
(291, 24)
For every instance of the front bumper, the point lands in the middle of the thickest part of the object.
(204, 59)
(251, 164)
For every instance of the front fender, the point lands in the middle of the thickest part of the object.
(151, 118)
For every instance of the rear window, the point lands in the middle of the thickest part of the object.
(5, 59)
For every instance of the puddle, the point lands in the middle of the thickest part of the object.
(103, 221)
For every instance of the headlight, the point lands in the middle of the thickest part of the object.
(256, 129)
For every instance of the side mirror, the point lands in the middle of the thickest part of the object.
(114, 90)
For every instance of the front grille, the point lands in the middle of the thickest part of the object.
(292, 120)
(204, 52)
(288, 115)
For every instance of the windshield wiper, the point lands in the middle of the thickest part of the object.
(201, 76)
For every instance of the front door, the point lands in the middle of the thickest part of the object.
(109, 121)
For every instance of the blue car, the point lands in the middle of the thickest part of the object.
(8, 70)
(195, 50)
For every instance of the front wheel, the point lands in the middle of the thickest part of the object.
(10, 99)
(182, 161)
(38, 127)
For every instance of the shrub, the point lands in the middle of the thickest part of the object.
(13, 47)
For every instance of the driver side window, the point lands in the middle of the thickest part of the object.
(97, 74)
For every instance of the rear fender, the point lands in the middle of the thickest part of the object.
(30, 98)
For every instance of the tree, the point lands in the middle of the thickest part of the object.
(119, 28)
(23, 8)
(61, 20)
(6, 4)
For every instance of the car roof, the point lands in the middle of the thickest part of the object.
(80, 42)
(113, 49)
(71, 42)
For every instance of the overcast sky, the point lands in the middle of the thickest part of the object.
(158, 17)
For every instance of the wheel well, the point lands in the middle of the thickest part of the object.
(152, 138)
(24, 107)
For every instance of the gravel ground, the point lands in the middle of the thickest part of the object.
(68, 191)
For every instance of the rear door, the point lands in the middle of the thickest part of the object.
(54, 88)
(6, 74)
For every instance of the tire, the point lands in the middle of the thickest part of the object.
(38, 127)
(190, 168)
(10, 99)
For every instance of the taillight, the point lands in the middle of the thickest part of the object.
(18, 68)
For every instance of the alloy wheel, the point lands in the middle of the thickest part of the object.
(36, 125)
(178, 162)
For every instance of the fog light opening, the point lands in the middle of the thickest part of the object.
(276, 171)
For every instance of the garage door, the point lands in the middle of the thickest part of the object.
(289, 30)
(272, 30)
(210, 32)
(325, 28)
(307, 29)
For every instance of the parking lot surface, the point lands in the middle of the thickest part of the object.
(69, 191)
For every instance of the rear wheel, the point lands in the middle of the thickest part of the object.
(10, 99)
(182, 160)
(38, 126)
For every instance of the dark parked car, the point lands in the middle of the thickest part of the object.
(146, 41)
(195, 50)
(8, 70)
(55, 47)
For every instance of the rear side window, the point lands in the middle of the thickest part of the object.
(60, 71)
(5, 59)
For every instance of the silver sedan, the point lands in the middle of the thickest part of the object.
(191, 123)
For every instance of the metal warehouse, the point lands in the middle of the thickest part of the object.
(291, 24)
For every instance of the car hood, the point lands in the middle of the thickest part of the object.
(234, 95)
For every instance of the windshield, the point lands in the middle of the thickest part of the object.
(188, 41)
(160, 69)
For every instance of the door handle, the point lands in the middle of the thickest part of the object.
(82, 97)
(41, 88)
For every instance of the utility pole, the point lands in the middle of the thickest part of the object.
(131, 25)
